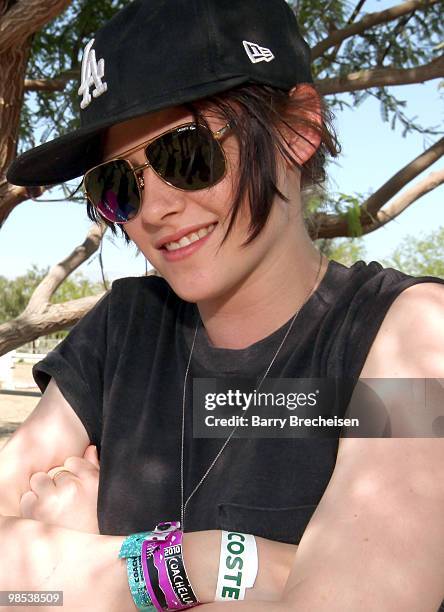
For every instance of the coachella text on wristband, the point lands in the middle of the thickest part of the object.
(164, 572)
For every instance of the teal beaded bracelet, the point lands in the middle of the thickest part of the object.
(131, 550)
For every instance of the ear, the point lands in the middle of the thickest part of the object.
(306, 138)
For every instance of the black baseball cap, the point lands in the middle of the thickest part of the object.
(155, 54)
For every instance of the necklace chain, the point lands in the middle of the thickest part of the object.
(210, 467)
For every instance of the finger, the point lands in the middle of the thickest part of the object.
(41, 483)
(79, 465)
(53, 471)
(61, 474)
(28, 502)
(91, 455)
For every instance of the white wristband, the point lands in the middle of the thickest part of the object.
(238, 565)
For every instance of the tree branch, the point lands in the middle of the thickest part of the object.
(403, 201)
(382, 77)
(40, 317)
(400, 26)
(56, 317)
(371, 215)
(402, 177)
(25, 18)
(356, 11)
(58, 273)
(333, 55)
(335, 226)
(56, 84)
(11, 196)
(368, 22)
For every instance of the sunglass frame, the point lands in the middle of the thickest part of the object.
(218, 136)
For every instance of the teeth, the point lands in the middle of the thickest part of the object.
(184, 241)
(190, 238)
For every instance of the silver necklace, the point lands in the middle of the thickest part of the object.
(210, 467)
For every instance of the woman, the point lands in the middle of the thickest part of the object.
(200, 127)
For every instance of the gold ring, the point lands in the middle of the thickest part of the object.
(60, 472)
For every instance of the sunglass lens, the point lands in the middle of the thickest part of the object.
(188, 158)
(112, 188)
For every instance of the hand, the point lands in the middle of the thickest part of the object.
(70, 499)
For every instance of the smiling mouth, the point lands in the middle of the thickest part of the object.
(189, 238)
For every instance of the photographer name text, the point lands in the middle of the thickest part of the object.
(290, 421)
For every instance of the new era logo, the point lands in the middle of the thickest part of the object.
(256, 53)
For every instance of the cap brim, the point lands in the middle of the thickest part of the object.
(71, 155)
(57, 161)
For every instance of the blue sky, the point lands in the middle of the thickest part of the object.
(45, 233)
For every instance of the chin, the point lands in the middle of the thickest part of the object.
(195, 291)
(189, 290)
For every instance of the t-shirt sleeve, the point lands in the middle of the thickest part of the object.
(77, 366)
(369, 308)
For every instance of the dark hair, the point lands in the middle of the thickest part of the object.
(257, 114)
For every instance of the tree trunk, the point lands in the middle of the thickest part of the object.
(12, 68)
(18, 22)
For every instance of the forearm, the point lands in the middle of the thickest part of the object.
(84, 566)
(201, 554)
(368, 559)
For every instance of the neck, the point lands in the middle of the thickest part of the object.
(265, 301)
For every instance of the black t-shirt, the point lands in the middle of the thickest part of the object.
(122, 368)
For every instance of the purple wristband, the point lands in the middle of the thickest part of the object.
(164, 572)
(147, 563)
(164, 582)
(173, 578)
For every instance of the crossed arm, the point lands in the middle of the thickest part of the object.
(375, 573)
(49, 529)
(71, 501)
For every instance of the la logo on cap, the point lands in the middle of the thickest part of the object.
(92, 75)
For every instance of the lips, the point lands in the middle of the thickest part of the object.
(178, 235)
(177, 255)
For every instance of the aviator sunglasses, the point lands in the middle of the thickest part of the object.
(188, 157)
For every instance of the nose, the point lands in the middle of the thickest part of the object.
(159, 200)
